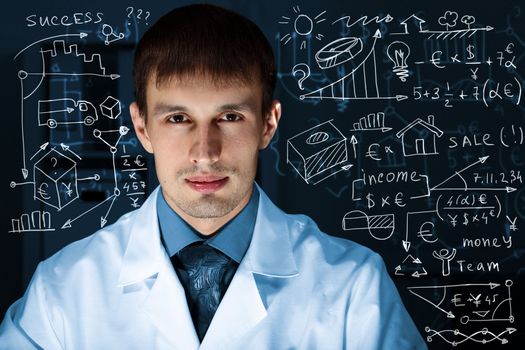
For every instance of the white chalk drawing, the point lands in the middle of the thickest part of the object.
(445, 256)
(449, 20)
(103, 219)
(414, 19)
(513, 138)
(37, 221)
(466, 187)
(372, 122)
(470, 302)
(68, 149)
(480, 205)
(410, 264)
(364, 20)
(303, 26)
(338, 52)
(354, 142)
(133, 187)
(358, 90)
(421, 140)
(110, 35)
(422, 189)
(57, 89)
(92, 64)
(512, 223)
(79, 35)
(122, 131)
(398, 52)
(66, 111)
(380, 227)
(425, 230)
(477, 337)
(316, 151)
(301, 69)
(55, 179)
(111, 107)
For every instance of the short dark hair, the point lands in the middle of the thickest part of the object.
(204, 40)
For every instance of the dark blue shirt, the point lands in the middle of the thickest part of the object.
(233, 239)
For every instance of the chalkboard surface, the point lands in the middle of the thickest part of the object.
(403, 129)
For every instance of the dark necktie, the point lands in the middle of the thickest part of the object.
(205, 274)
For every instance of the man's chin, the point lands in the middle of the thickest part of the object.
(208, 207)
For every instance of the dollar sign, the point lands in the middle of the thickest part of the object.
(370, 201)
(470, 53)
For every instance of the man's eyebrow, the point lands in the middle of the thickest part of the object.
(161, 108)
(248, 106)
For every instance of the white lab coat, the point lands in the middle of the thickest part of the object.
(296, 288)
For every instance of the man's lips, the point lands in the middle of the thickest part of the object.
(206, 183)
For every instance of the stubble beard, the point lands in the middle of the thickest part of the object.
(209, 206)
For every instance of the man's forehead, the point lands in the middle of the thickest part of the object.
(202, 92)
(203, 79)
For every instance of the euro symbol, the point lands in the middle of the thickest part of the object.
(42, 192)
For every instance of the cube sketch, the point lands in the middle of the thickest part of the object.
(316, 150)
(110, 107)
(55, 177)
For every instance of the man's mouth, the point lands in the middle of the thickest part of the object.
(206, 183)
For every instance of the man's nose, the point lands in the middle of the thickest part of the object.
(206, 148)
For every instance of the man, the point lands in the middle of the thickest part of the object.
(208, 261)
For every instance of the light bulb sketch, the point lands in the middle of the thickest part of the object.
(303, 26)
(398, 53)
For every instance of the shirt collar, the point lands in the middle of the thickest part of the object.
(232, 239)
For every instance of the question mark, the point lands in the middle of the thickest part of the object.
(304, 69)
(130, 8)
(147, 15)
(55, 161)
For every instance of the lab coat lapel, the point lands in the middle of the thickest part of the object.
(270, 254)
(146, 263)
(167, 308)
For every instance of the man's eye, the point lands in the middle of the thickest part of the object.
(231, 117)
(178, 118)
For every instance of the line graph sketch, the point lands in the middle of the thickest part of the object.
(362, 81)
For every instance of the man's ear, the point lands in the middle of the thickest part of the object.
(139, 123)
(271, 120)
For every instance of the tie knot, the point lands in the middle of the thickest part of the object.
(202, 256)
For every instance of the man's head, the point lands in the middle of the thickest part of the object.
(204, 80)
(204, 40)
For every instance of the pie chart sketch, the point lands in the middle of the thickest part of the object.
(338, 52)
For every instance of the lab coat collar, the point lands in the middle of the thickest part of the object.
(270, 252)
(144, 252)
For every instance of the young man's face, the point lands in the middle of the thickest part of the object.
(205, 139)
